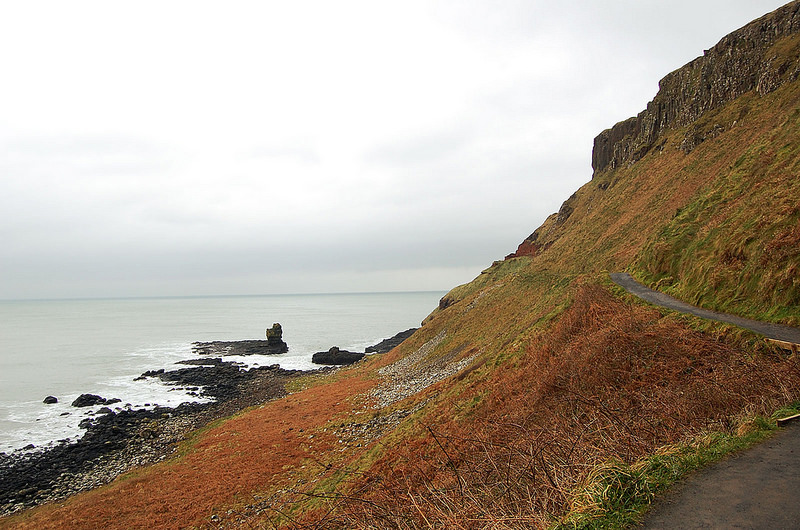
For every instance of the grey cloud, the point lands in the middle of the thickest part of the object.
(300, 152)
(89, 154)
(424, 149)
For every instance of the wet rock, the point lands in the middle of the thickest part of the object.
(336, 356)
(201, 362)
(239, 347)
(149, 373)
(49, 400)
(114, 442)
(387, 345)
(88, 400)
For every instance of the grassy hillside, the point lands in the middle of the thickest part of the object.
(572, 375)
(538, 394)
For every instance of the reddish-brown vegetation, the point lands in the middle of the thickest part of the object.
(610, 380)
(228, 464)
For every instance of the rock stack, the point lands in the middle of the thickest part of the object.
(275, 342)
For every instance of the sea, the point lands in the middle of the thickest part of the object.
(65, 348)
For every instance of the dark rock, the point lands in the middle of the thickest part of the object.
(26, 476)
(239, 347)
(446, 301)
(275, 334)
(387, 345)
(202, 362)
(149, 373)
(741, 62)
(88, 400)
(336, 356)
(49, 400)
(113, 400)
(275, 338)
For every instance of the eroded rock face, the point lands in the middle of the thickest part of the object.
(750, 58)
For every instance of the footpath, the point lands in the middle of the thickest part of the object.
(757, 488)
(772, 331)
(753, 489)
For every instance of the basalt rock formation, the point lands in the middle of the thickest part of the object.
(274, 345)
(761, 57)
(336, 356)
(89, 400)
(387, 345)
(745, 60)
(275, 339)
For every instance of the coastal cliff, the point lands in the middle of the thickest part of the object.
(756, 59)
(747, 59)
(540, 395)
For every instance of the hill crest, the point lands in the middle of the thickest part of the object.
(742, 61)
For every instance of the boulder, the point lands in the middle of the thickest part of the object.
(49, 400)
(87, 400)
(336, 356)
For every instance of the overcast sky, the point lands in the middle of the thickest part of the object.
(252, 147)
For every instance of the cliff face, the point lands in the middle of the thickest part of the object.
(747, 59)
(758, 58)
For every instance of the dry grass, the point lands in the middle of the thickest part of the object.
(610, 381)
(227, 466)
(557, 397)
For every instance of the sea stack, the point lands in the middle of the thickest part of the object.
(275, 339)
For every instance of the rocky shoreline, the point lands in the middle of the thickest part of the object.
(117, 441)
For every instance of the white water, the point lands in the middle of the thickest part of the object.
(66, 348)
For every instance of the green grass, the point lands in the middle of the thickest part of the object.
(735, 246)
(617, 495)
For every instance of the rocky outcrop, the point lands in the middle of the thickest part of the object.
(275, 338)
(116, 440)
(89, 400)
(49, 400)
(336, 356)
(274, 345)
(387, 345)
(761, 56)
(239, 347)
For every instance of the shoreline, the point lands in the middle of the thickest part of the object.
(117, 442)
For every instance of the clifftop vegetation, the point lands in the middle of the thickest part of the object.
(539, 394)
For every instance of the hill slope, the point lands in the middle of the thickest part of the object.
(537, 390)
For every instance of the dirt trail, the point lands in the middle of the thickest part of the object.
(772, 331)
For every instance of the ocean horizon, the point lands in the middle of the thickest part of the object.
(68, 346)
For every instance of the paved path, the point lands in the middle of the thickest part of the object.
(757, 488)
(772, 331)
